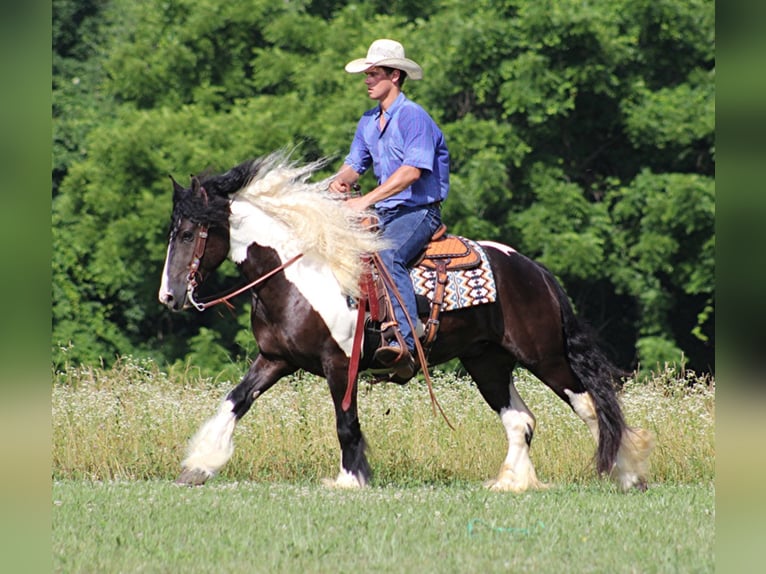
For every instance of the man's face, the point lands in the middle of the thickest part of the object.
(379, 84)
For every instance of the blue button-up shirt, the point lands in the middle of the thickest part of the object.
(409, 137)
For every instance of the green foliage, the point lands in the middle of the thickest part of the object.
(569, 232)
(209, 357)
(653, 352)
(79, 101)
(582, 134)
(664, 256)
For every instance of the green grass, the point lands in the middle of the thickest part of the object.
(134, 421)
(154, 526)
(120, 434)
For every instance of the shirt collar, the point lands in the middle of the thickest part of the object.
(398, 102)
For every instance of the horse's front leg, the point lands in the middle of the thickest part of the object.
(354, 469)
(212, 446)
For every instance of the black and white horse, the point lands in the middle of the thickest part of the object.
(300, 238)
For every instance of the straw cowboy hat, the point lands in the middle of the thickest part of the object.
(387, 53)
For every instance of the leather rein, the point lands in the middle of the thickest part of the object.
(192, 283)
(194, 274)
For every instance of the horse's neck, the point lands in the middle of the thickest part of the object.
(259, 261)
(216, 249)
(249, 225)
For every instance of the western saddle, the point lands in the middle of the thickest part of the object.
(443, 253)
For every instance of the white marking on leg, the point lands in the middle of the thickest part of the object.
(345, 479)
(348, 479)
(517, 473)
(212, 446)
(631, 467)
(585, 408)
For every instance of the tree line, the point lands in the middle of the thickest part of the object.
(581, 133)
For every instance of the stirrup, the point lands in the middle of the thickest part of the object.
(399, 359)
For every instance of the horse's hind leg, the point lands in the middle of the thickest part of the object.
(493, 373)
(631, 465)
(212, 446)
(633, 446)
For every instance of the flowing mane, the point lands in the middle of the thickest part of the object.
(319, 221)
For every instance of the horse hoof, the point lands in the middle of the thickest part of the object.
(193, 477)
(504, 485)
(344, 480)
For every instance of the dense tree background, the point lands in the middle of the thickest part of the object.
(582, 133)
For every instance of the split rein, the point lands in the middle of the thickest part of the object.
(199, 250)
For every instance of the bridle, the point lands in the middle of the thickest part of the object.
(194, 274)
(192, 283)
(194, 277)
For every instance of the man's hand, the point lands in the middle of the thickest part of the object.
(359, 203)
(340, 186)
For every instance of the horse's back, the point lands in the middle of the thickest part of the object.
(528, 303)
(521, 281)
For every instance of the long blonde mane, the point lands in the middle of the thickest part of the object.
(321, 222)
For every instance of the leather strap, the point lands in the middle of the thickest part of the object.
(202, 305)
(432, 325)
(356, 352)
(389, 282)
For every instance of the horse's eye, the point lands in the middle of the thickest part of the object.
(187, 236)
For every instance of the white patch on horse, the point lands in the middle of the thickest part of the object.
(499, 246)
(347, 479)
(320, 287)
(164, 285)
(631, 466)
(517, 473)
(310, 274)
(583, 406)
(212, 446)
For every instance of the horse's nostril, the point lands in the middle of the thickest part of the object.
(166, 298)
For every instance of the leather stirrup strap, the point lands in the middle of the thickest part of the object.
(356, 352)
(369, 288)
(389, 282)
(432, 325)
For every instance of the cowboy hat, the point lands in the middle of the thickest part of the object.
(386, 53)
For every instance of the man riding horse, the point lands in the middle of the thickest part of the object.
(409, 157)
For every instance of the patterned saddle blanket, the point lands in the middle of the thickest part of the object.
(469, 278)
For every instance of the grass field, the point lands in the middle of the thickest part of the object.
(154, 526)
(119, 434)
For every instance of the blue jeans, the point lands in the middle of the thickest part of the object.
(407, 230)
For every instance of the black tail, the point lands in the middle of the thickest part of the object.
(599, 376)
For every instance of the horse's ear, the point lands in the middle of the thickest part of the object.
(176, 186)
(197, 188)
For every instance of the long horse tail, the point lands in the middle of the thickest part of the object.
(600, 377)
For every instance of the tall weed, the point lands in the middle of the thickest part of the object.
(132, 421)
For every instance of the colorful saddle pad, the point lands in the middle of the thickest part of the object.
(465, 287)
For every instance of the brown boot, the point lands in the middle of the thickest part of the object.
(398, 359)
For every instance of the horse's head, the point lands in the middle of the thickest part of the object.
(305, 214)
(198, 242)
